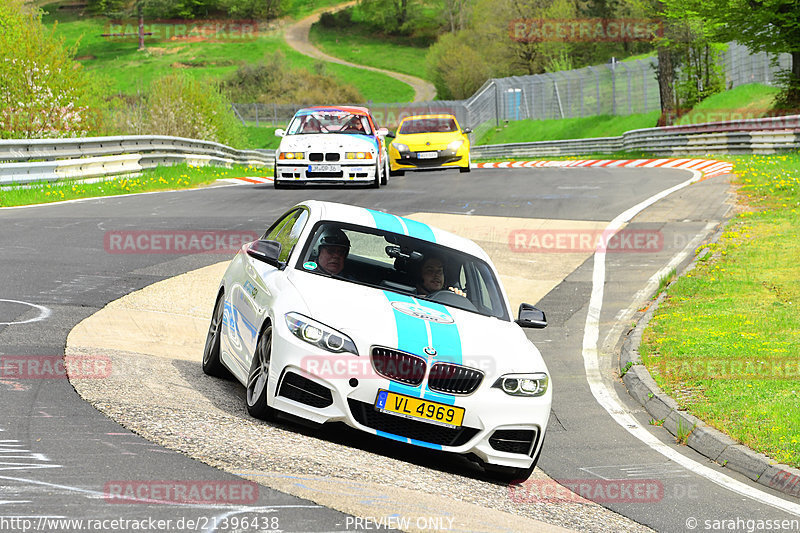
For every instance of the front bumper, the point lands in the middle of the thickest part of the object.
(443, 159)
(497, 428)
(334, 173)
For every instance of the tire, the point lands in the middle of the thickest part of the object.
(397, 172)
(385, 174)
(212, 365)
(258, 377)
(466, 169)
(377, 183)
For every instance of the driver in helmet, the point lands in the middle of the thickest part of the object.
(333, 247)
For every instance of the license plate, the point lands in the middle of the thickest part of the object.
(415, 408)
(323, 168)
(427, 155)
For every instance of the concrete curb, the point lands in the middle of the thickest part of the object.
(701, 437)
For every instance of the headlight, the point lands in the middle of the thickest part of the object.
(455, 145)
(358, 155)
(523, 384)
(319, 334)
(400, 147)
(290, 155)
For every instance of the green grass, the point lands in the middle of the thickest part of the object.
(161, 178)
(129, 71)
(745, 101)
(727, 337)
(568, 128)
(360, 45)
(298, 9)
(262, 137)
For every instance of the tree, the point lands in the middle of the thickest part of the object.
(771, 26)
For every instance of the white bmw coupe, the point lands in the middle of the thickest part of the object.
(396, 328)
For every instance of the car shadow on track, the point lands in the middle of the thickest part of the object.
(228, 395)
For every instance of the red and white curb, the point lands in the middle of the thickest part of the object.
(248, 180)
(709, 167)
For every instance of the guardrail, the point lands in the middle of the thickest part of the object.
(750, 136)
(26, 160)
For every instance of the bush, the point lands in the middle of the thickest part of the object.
(273, 81)
(43, 92)
(456, 69)
(181, 106)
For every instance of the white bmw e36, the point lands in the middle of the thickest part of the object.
(332, 145)
(396, 328)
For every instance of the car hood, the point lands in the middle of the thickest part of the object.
(417, 141)
(371, 316)
(327, 142)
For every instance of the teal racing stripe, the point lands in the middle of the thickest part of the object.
(387, 222)
(411, 337)
(419, 230)
(404, 226)
(447, 342)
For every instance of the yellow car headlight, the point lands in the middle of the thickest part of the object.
(291, 155)
(455, 145)
(358, 155)
(400, 147)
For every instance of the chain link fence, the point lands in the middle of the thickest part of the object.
(617, 88)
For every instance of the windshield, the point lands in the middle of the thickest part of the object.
(428, 125)
(329, 122)
(405, 265)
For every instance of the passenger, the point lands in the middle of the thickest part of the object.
(431, 277)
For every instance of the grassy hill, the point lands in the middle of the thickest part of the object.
(129, 70)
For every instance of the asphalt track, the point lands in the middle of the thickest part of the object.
(58, 454)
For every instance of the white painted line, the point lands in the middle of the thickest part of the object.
(44, 312)
(606, 396)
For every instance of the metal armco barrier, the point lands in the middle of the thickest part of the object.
(751, 136)
(27, 160)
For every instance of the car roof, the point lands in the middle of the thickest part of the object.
(355, 110)
(438, 115)
(387, 221)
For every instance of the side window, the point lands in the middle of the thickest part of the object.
(287, 231)
(294, 235)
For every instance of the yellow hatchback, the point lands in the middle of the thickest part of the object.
(427, 142)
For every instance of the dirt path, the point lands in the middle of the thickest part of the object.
(296, 36)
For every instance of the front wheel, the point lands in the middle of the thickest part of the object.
(385, 174)
(258, 377)
(212, 365)
(377, 182)
(468, 167)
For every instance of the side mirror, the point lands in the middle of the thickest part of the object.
(467, 130)
(390, 135)
(382, 132)
(266, 251)
(280, 132)
(531, 317)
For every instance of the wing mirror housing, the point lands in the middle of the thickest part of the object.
(280, 132)
(265, 251)
(382, 132)
(531, 317)
(467, 130)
